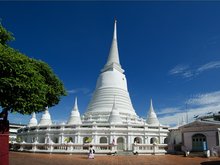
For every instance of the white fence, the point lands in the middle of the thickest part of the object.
(149, 148)
(84, 148)
(64, 148)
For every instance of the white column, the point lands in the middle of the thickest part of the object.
(112, 138)
(146, 140)
(95, 138)
(78, 139)
(129, 142)
(61, 140)
(160, 140)
(218, 137)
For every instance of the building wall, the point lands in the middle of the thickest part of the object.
(211, 139)
(110, 132)
(13, 128)
(184, 134)
(175, 136)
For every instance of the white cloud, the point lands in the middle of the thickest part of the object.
(205, 99)
(168, 111)
(179, 69)
(182, 70)
(78, 90)
(173, 119)
(208, 66)
(200, 104)
(187, 74)
(186, 71)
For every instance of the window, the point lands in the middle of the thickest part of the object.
(103, 140)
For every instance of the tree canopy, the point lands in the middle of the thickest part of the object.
(26, 85)
(5, 36)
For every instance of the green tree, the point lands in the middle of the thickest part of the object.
(5, 36)
(26, 85)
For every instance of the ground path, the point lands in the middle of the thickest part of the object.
(21, 158)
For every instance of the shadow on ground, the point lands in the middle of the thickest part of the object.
(211, 163)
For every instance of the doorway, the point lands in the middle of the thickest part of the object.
(199, 142)
(120, 144)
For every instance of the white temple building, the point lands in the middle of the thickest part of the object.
(197, 136)
(110, 122)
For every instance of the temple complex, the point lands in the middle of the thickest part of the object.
(110, 122)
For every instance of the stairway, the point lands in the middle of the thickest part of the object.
(125, 153)
(196, 154)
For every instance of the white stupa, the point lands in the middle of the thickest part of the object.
(75, 115)
(33, 120)
(114, 117)
(152, 117)
(111, 82)
(45, 119)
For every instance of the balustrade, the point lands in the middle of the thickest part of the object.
(83, 148)
(149, 148)
(64, 148)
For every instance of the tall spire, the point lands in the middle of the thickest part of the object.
(75, 105)
(151, 106)
(152, 117)
(115, 30)
(33, 120)
(111, 81)
(75, 116)
(113, 58)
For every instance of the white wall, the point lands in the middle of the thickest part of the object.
(210, 138)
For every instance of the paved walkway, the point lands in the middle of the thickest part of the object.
(19, 158)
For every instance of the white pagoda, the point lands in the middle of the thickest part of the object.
(110, 122)
(111, 84)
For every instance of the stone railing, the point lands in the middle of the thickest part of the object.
(84, 148)
(149, 148)
(215, 151)
(64, 148)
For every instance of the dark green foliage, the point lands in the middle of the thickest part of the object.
(26, 85)
(5, 36)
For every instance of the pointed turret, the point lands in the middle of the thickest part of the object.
(114, 117)
(113, 58)
(152, 117)
(45, 119)
(33, 120)
(75, 116)
(75, 108)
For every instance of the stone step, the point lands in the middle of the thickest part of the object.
(197, 154)
(124, 153)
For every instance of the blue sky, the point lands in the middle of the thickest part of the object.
(170, 51)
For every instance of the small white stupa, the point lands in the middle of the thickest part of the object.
(33, 120)
(114, 117)
(152, 117)
(45, 119)
(75, 115)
